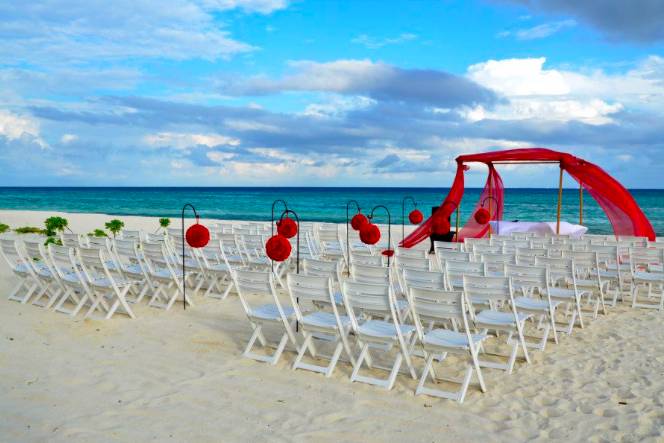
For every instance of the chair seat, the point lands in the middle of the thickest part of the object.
(219, 267)
(324, 320)
(106, 283)
(451, 339)
(270, 312)
(564, 293)
(649, 276)
(500, 318)
(165, 273)
(383, 329)
(612, 275)
(133, 269)
(587, 283)
(533, 304)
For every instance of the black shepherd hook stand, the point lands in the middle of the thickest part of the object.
(184, 274)
(389, 228)
(403, 214)
(297, 251)
(297, 246)
(274, 203)
(357, 205)
(456, 208)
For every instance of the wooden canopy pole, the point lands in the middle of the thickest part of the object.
(580, 203)
(560, 200)
(457, 224)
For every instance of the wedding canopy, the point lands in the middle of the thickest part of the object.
(625, 215)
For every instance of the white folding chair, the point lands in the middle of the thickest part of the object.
(261, 283)
(455, 270)
(563, 288)
(164, 274)
(66, 267)
(496, 292)
(108, 292)
(529, 279)
(22, 268)
(439, 306)
(51, 287)
(363, 301)
(646, 272)
(331, 327)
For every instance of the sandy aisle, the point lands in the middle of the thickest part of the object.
(179, 376)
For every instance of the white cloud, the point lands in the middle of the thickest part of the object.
(68, 138)
(563, 95)
(337, 106)
(187, 140)
(15, 127)
(540, 31)
(260, 6)
(376, 43)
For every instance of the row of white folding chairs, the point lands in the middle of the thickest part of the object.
(66, 279)
(364, 301)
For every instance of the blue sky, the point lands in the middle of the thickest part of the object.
(325, 93)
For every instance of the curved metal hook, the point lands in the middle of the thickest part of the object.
(389, 227)
(184, 275)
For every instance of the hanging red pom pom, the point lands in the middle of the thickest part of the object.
(358, 221)
(388, 252)
(482, 216)
(369, 234)
(415, 216)
(197, 236)
(278, 248)
(287, 227)
(440, 225)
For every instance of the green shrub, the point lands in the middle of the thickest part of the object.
(29, 230)
(54, 240)
(115, 226)
(3, 228)
(55, 224)
(98, 233)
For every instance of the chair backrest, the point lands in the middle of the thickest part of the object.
(93, 262)
(443, 255)
(70, 239)
(524, 278)
(455, 270)
(99, 243)
(156, 255)
(366, 299)
(10, 252)
(413, 278)
(127, 234)
(606, 254)
(422, 264)
(61, 258)
(435, 305)
(323, 268)
(558, 268)
(410, 252)
(364, 259)
(487, 290)
(450, 246)
(644, 259)
(307, 290)
(479, 249)
(370, 274)
(249, 283)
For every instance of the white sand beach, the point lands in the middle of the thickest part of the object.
(179, 376)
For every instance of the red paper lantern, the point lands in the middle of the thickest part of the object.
(358, 221)
(482, 216)
(197, 236)
(287, 227)
(278, 248)
(388, 252)
(369, 233)
(440, 225)
(415, 216)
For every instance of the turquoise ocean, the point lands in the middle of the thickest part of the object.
(314, 204)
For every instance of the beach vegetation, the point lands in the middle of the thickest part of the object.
(114, 226)
(3, 228)
(98, 233)
(29, 230)
(55, 224)
(54, 240)
(164, 223)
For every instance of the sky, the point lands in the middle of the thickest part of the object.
(325, 92)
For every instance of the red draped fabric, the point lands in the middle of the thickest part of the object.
(623, 212)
